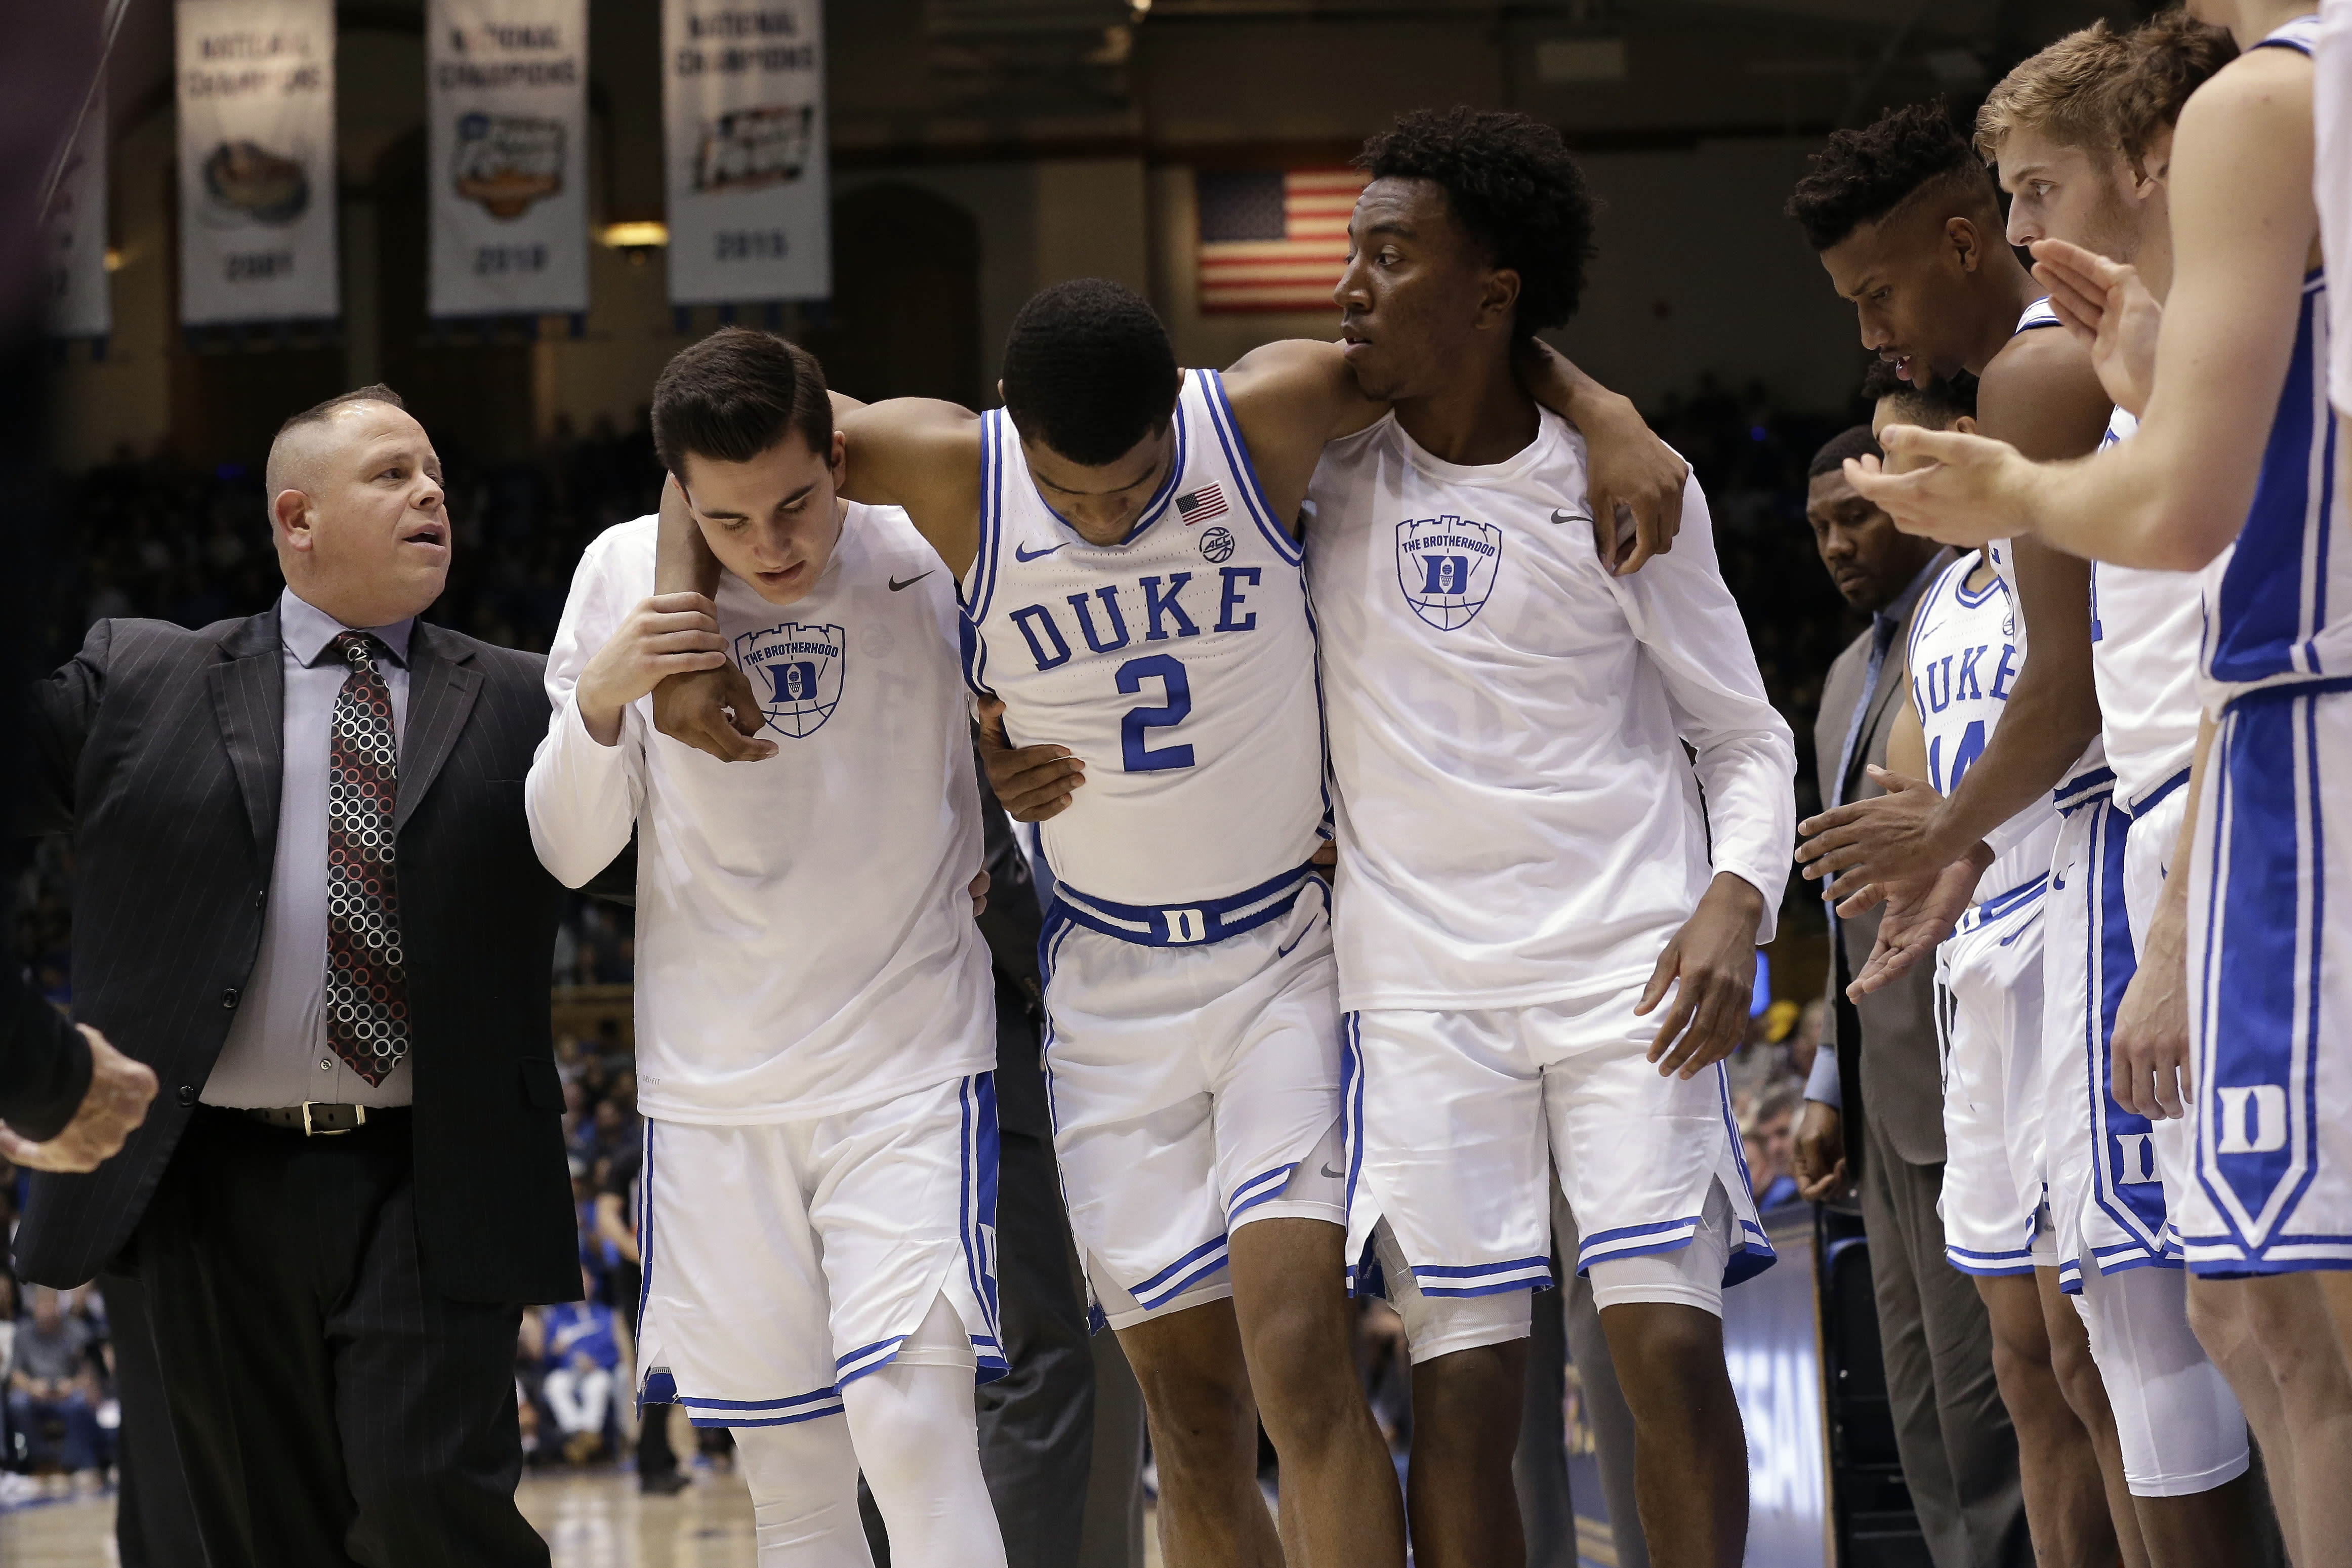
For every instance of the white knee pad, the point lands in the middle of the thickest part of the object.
(803, 1482)
(916, 1432)
(2180, 1427)
(1440, 1325)
(1690, 1275)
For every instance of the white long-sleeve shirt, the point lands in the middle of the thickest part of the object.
(1518, 820)
(804, 939)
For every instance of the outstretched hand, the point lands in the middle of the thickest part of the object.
(1032, 783)
(111, 1109)
(2110, 312)
(1711, 963)
(1888, 839)
(1959, 494)
(1920, 914)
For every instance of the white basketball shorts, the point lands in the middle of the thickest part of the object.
(1454, 1119)
(2269, 988)
(2115, 1177)
(786, 1259)
(1194, 1088)
(1988, 1014)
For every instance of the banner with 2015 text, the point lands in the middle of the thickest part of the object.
(506, 95)
(257, 100)
(743, 96)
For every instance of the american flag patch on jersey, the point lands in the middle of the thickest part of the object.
(1203, 504)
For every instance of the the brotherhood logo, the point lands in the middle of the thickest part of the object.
(1447, 567)
(796, 671)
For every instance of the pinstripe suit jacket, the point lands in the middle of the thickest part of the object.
(161, 751)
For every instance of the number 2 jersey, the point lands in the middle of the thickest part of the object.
(1179, 665)
(1518, 820)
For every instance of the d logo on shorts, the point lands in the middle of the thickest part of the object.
(796, 672)
(1447, 567)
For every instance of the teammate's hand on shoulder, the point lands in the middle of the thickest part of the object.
(713, 711)
(1895, 837)
(1819, 1156)
(1711, 963)
(2109, 310)
(2152, 1070)
(1032, 782)
(1635, 483)
(1920, 913)
(111, 1110)
(979, 892)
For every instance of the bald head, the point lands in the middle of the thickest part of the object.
(356, 509)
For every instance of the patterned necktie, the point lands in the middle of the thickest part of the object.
(367, 986)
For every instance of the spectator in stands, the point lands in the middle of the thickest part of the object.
(50, 1379)
(586, 1348)
(1769, 1131)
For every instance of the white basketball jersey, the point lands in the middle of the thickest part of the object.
(2144, 632)
(1966, 650)
(1519, 820)
(1178, 663)
(804, 936)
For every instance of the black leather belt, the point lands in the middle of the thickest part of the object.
(318, 1118)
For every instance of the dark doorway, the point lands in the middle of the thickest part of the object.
(905, 316)
(469, 383)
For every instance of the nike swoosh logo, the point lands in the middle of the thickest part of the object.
(1558, 517)
(1335, 1175)
(896, 585)
(1020, 552)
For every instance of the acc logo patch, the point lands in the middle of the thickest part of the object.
(1217, 544)
(796, 671)
(1447, 567)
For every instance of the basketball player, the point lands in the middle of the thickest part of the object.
(1526, 868)
(1123, 534)
(815, 1021)
(1968, 646)
(2053, 126)
(2230, 438)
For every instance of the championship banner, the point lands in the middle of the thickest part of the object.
(73, 235)
(257, 93)
(743, 95)
(506, 104)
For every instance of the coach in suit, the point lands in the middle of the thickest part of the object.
(1875, 1111)
(354, 1175)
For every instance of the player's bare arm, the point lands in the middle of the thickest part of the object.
(667, 635)
(2041, 390)
(1293, 397)
(1711, 962)
(2245, 232)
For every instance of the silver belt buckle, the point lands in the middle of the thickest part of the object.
(308, 1132)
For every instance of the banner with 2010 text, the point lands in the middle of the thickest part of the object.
(743, 96)
(507, 155)
(256, 101)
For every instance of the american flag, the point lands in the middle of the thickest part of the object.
(1203, 504)
(1274, 241)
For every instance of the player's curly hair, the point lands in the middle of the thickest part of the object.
(1513, 185)
(1089, 371)
(1863, 176)
(2173, 55)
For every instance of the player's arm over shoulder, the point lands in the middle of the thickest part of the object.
(921, 454)
(1290, 398)
(2042, 396)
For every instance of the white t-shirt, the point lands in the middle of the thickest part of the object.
(804, 937)
(1519, 820)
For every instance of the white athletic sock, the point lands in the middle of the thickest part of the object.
(803, 1480)
(918, 1439)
